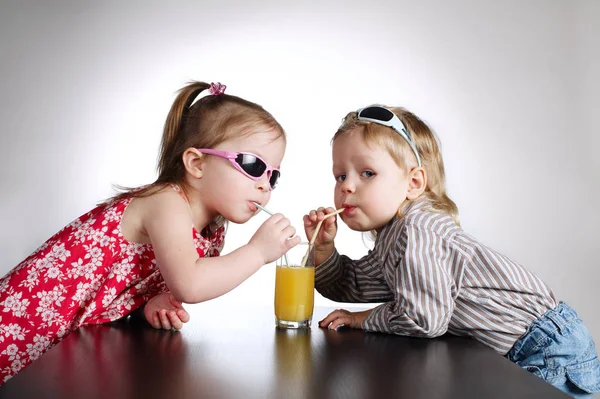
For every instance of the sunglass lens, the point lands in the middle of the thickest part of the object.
(274, 178)
(377, 113)
(251, 164)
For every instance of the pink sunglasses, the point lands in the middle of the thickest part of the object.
(249, 164)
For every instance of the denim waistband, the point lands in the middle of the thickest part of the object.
(553, 320)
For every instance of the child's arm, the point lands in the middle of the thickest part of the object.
(426, 290)
(342, 279)
(192, 279)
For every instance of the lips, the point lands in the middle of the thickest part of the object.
(349, 209)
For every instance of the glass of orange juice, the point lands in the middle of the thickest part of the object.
(295, 287)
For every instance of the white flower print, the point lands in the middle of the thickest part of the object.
(39, 345)
(89, 311)
(112, 314)
(121, 271)
(93, 252)
(79, 235)
(31, 280)
(16, 331)
(95, 255)
(83, 293)
(85, 231)
(132, 249)
(12, 351)
(43, 263)
(97, 236)
(57, 294)
(95, 285)
(59, 252)
(124, 301)
(50, 298)
(48, 315)
(110, 216)
(15, 304)
(62, 331)
(141, 287)
(17, 365)
(45, 300)
(89, 270)
(106, 240)
(54, 273)
(109, 296)
(81, 269)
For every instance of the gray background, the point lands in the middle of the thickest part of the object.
(511, 87)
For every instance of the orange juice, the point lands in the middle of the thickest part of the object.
(294, 293)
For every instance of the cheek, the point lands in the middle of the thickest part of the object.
(337, 198)
(226, 185)
(383, 201)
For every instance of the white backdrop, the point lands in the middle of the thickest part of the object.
(511, 87)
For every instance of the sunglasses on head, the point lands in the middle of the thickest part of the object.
(385, 117)
(249, 164)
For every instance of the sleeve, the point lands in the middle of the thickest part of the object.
(342, 279)
(424, 303)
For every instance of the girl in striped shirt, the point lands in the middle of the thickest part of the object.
(431, 276)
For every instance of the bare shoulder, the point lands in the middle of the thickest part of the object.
(163, 205)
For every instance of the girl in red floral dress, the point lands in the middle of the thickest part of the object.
(157, 245)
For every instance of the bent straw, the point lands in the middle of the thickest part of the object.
(314, 236)
(270, 213)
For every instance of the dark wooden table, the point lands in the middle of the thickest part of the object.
(236, 352)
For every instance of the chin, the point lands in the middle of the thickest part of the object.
(353, 225)
(240, 219)
(237, 218)
(357, 226)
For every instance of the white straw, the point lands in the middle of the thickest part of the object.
(262, 208)
(270, 213)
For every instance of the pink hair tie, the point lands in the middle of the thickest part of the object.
(216, 88)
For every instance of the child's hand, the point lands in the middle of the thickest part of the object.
(166, 312)
(328, 229)
(274, 238)
(341, 317)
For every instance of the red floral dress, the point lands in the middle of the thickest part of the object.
(87, 273)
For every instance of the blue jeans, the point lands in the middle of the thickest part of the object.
(558, 348)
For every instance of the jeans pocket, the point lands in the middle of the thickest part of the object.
(586, 376)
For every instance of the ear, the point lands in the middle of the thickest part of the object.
(193, 161)
(417, 182)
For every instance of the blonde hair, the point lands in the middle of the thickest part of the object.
(427, 146)
(210, 121)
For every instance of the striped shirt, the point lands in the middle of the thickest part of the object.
(434, 278)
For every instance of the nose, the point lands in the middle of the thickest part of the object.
(348, 186)
(263, 183)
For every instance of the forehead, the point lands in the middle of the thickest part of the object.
(352, 146)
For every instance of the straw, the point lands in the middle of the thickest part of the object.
(263, 209)
(314, 236)
(270, 213)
